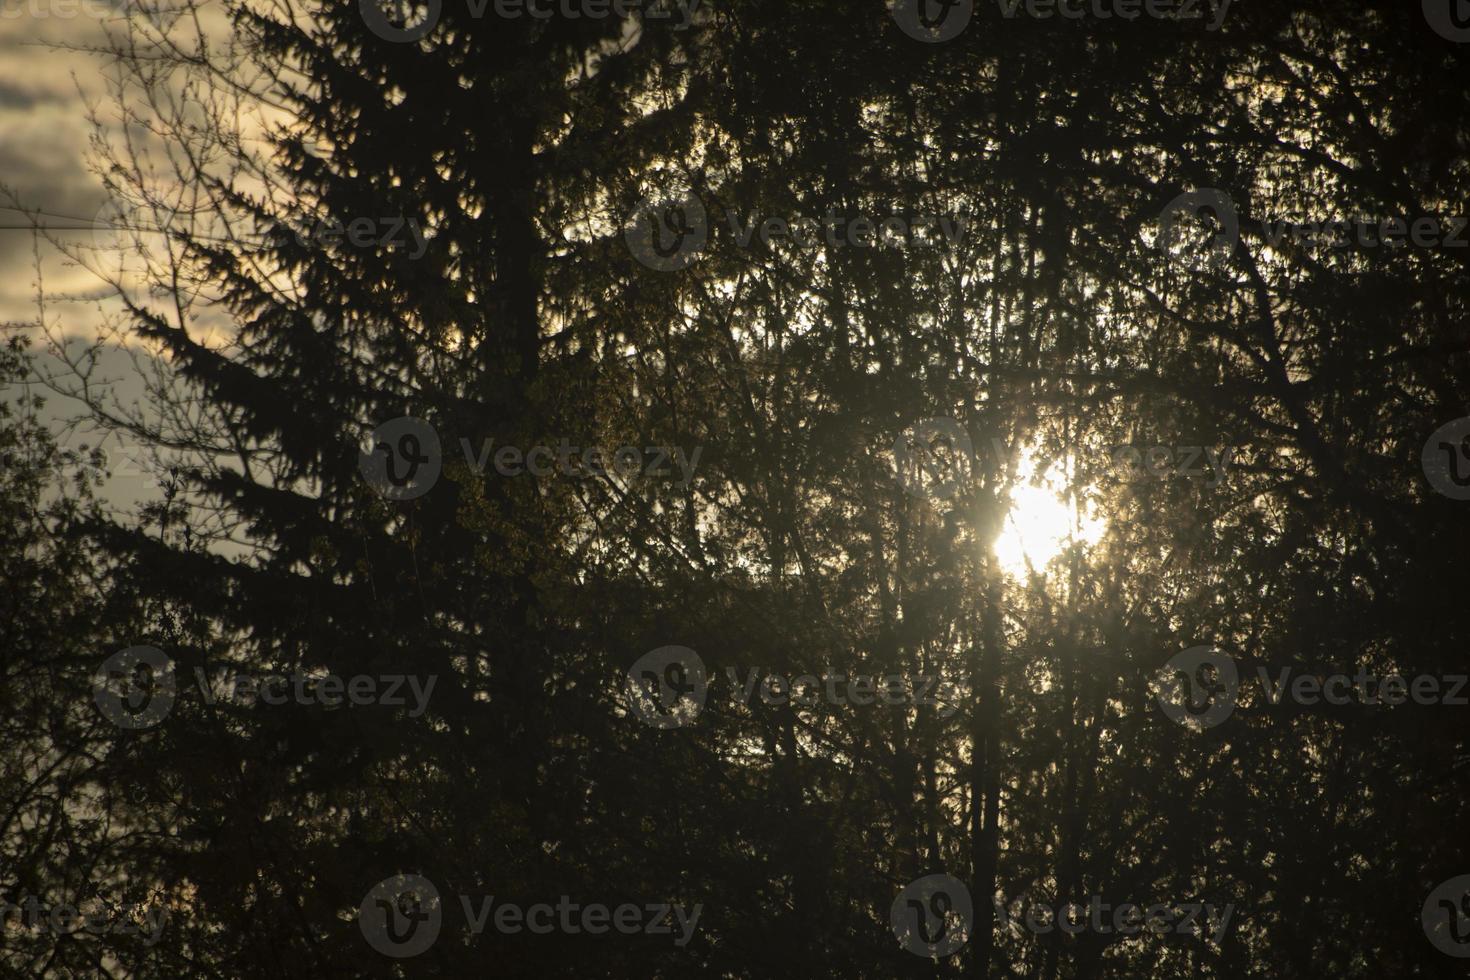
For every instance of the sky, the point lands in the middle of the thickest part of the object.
(47, 81)
(54, 81)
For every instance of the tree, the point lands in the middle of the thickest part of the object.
(551, 174)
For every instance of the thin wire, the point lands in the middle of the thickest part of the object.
(99, 225)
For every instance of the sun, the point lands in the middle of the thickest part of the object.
(1041, 521)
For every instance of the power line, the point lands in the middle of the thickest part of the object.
(96, 225)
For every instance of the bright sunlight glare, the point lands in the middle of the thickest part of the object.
(1041, 521)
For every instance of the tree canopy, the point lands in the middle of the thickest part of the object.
(646, 391)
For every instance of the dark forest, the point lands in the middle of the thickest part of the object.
(738, 489)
